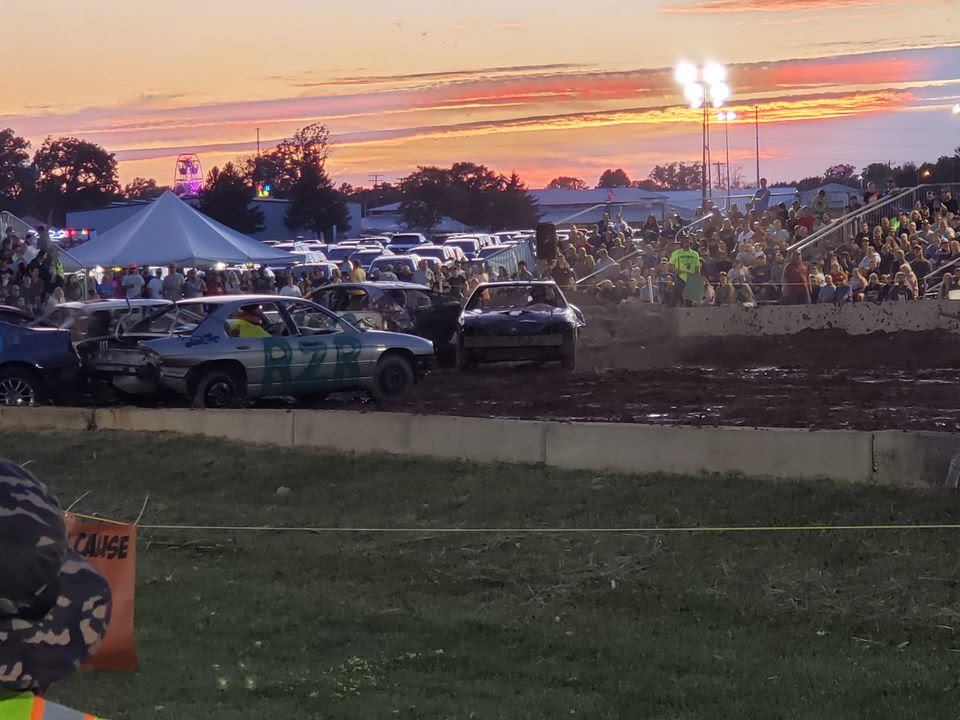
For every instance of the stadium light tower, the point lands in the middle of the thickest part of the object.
(704, 88)
(725, 116)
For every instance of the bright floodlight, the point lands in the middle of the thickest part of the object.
(714, 74)
(686, 73)
(956, 109)
(719, 93)
(694, 95)
(726, 116)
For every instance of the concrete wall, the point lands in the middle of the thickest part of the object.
(639, 322)
(852, 318)
(887, 457)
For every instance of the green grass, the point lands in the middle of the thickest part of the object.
(789, 625)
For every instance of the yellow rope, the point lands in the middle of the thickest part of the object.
(538, 531)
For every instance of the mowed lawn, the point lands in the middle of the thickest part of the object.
(845, 624)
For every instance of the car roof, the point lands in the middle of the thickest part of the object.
(228, 299)
(115, 304)
(518, 283)
(385, 285)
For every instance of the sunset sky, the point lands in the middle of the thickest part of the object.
(543, 88)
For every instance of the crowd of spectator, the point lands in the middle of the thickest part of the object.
(743, 257)
(722, 258)
(31, 277)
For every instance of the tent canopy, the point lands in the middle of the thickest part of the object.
(170, 231)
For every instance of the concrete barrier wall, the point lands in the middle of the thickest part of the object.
(886, 457)
(852, 318)
(640, 322)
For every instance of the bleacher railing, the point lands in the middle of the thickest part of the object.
(846, 226)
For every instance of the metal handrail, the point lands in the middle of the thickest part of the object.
(855, 217)
(602, 270)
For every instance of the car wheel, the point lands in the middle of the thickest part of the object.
(392, 380)
(568, 356)
(218, 389)
(19, 388)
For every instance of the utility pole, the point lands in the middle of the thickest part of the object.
(258, 142)
(719, 176)
(375, 179)
(756, 124)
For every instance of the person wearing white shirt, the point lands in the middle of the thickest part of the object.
(290, 289)
(132, 283)
(155, 287)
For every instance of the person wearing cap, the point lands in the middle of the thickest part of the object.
(132, 283)
(54, 607)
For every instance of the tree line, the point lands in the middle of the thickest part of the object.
(67, 174)
(689, 176)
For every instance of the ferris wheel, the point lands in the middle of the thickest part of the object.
(187, 176)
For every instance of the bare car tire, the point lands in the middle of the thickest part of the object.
(218, 389)
(20, 387)
(393, 380)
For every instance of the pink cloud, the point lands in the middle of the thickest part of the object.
(777, 6)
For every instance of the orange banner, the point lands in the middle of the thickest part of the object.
(112, 549)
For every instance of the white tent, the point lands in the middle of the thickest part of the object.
(170, 231)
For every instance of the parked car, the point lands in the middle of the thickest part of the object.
(219, 350)
(405, 242)
(365, 256)
(339, 253)
(398, 307)
(518, 321)
(36, 363)
(442, 254)
(469, 246)
(395, 262)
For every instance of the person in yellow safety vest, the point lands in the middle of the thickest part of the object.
(248, 322)
(54, 607)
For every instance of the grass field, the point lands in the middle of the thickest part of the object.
(777, 625)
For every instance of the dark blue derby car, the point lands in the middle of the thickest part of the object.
(522, 320)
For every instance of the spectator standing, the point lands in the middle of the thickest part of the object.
(194, 286)
(796, 282)
(289, 288)
(155, 286)
(423, 274)
(357, 273)
(173, 284)
(761, 198)
(131, 284)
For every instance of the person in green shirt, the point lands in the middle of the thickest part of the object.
(686, 260)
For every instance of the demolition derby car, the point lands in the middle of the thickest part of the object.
(522, 320)
(397, 307)
(36, 363)
(219, 350)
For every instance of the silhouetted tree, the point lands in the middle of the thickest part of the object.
(16, 174)
(226, 197)
(613, 179)
(73, 174)
(315, 204)
(567, 183)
